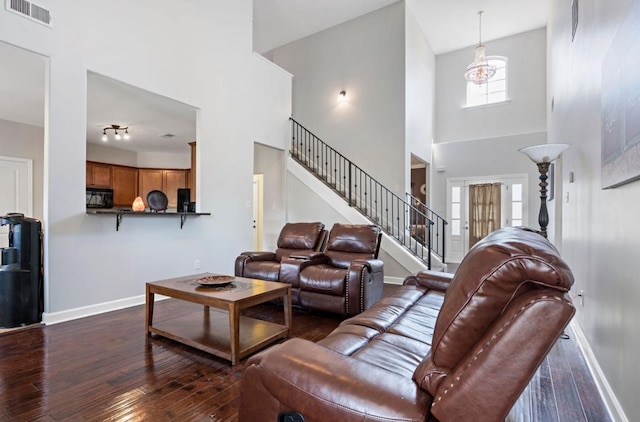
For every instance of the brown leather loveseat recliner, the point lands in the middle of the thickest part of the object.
(447, 348)
(301, 239)
(341, 276)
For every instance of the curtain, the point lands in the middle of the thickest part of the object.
(484, 210)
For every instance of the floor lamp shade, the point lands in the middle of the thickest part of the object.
(543, 155)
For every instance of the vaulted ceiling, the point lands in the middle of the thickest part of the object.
(447, 25)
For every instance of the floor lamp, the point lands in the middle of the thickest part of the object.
(543, 155)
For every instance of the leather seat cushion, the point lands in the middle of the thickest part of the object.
(323, 279)
(264, 270)
(397, 329)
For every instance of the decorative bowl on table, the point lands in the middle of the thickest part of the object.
(215, 280)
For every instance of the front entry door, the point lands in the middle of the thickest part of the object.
(513, 209)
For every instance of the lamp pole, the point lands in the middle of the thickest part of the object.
(543, 215)
(543, 155)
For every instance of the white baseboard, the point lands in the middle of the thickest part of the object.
(611, 401)
(394, 280)
(50, 318)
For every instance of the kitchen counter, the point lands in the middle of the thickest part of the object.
(120, 212)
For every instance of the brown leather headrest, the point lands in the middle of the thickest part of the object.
(501, 267)
(354, 238)
(299, 235)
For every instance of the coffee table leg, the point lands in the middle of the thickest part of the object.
(234, 332)
(287, 310)
(149, 310)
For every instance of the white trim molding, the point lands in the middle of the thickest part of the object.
(50, 318)
(608, 396)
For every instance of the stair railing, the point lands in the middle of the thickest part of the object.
(398, 218)
(418, 221)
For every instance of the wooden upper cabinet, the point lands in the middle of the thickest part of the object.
(129, 182)
(125, 185)
(148, 180)
(99, 174)
(173, 180)
(167, 181)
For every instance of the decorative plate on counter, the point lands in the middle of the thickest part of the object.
(157, 200)
(215, 280)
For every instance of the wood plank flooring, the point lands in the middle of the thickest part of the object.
(104, 368)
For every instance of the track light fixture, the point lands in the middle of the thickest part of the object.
(117, 136)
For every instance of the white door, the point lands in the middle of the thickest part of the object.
(258, 180)
(458, 226)
(514, 209)
(16, 190)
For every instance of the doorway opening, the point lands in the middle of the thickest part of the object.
(258, 200)
(420, 180)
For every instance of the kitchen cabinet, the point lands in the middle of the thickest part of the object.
(125, 185)
(165, 180)
(99, 175)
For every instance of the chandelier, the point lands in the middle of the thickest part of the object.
(117, 136)
(480, 71)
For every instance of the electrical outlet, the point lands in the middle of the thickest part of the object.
(581, 296)
(196, 264)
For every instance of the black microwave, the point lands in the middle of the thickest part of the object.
(99, 198)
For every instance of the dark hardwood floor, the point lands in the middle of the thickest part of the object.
(104, 368)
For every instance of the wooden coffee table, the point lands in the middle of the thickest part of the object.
(220, 331)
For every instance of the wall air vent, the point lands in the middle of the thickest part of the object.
(30, 11)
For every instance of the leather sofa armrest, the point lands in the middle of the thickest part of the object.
(306, 255)
(365, 284)
(260, 256)
(373, 265)
(291, 267)
(245, 257)
(295, 376)
(435, 280)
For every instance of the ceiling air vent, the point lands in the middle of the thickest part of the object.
(30, 10)
(167, 135)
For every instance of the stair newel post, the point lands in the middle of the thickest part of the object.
(350, 192)
(443, 242)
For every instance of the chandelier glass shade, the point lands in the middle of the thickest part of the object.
(480, 71)
(117, 135)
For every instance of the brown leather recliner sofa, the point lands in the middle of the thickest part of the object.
(302, 239)
(344, 276)
(448, 348)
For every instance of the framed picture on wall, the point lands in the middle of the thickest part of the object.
(620, 104)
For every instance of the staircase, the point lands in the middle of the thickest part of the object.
(408, 221)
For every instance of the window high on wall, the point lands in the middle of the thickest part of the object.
(495, 90)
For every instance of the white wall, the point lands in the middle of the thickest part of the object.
(420, 63)
(211, 67)
(484, 141)
(601, 234)
(26, 141)
(525, 113)
(105, 154)
(166, 160)
(366, 58)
